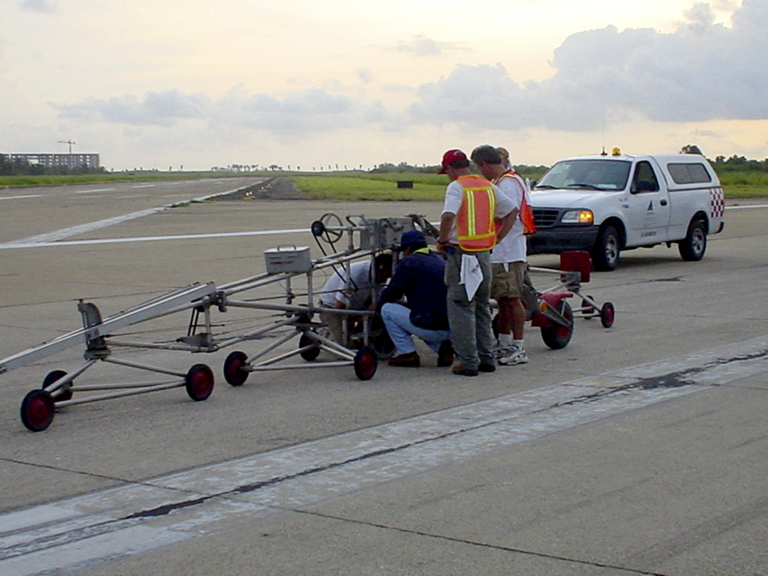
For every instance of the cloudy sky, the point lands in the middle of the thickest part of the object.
(354, 83)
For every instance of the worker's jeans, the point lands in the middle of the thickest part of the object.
(397, 319)
(470, 320)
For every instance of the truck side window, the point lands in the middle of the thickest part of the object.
(644, 179)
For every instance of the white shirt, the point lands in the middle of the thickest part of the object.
(352, 294)
(454, 197)
(513, 247)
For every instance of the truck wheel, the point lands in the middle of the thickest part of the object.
(694, 245)
(605, 253)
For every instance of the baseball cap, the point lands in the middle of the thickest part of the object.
(450, 157)
(412, 238)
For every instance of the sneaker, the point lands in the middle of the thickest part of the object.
(410, 360)
(513, 355)
(486, 367)
(445, 354)
(461, 370)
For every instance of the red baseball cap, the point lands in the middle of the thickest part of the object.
(450, 157)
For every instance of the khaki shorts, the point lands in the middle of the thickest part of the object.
(507, 283)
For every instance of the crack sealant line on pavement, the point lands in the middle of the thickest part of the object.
(476, 543)
(172, 508)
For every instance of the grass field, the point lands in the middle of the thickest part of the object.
(425, 187)
(359, 185)
(53, 180)
(745, 184)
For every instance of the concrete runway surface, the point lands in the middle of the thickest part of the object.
(639, 449)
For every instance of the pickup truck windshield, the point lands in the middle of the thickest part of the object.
(602, 175)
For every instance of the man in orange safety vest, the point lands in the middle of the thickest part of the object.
(508, 261)
(475, 216)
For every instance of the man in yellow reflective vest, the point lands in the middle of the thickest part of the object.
(475, 216)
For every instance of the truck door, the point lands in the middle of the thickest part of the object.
(648, 206)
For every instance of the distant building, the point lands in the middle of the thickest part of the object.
(58, 160)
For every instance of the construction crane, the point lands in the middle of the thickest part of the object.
(70, 142)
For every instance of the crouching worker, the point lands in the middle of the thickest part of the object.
(419, 278)
(355, 292)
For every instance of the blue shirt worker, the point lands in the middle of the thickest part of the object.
(419, 277)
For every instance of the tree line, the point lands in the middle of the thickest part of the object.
(404, 167)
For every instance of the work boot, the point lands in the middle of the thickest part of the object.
(409, 360)
(445, 354)
(460, 370)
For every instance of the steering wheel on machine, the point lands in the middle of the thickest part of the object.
(323, 229)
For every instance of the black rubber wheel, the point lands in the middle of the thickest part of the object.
(558, 336)
(380, 340)
(65, 393)
(607, 315)
(311, 354)
(605, 253)
(199, 382)
(234, 368)
(37, 410)
(693, 247)
(366, 362)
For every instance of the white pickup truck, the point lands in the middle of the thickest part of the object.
(606, 204)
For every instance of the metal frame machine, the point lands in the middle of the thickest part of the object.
(267, 312)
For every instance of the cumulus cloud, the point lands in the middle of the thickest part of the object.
(420, 45)
(365, 76)
(702, 71)
(156, 108)
(300, 112)
(43, 6)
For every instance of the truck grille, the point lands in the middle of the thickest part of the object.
(545, 217)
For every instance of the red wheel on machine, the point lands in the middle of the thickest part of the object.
(310, 354)
(199, 382)
(366, 362)
(607, 315)
(66, 393)
(37, 410)
(558, 336)
(235, 365)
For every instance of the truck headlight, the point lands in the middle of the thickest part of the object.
(578, 217)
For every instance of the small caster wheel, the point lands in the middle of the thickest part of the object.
(607, 315)
(366, 362)
(310, 354)
(37, 410)
(199, 382)
(558, 335)
(235, 368)
(64, 393)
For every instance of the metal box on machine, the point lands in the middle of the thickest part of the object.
(384, 233)
(288, 259)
